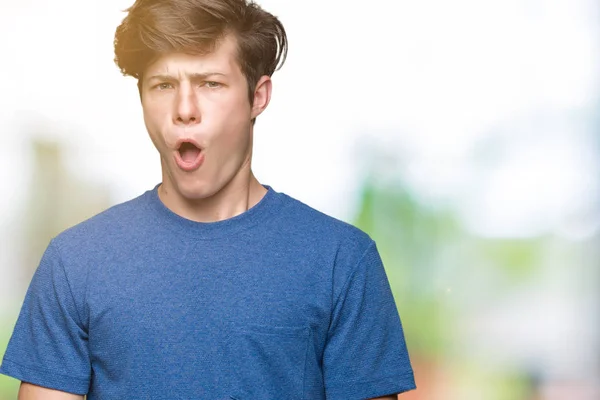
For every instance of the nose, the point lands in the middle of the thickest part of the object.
(187, 110)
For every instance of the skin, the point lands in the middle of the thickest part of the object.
(32, 392)
(203, 98)
(27, 391)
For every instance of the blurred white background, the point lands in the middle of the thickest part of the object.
(487, 107)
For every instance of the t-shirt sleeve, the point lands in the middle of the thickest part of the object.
(366, 355)
(49, 345)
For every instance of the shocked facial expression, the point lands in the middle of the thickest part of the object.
(199, 117)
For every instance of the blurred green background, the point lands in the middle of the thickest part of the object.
(462, 136)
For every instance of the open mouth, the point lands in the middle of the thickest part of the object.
(188, 152)
(189, 157)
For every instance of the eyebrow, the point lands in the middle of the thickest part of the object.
(195, 76)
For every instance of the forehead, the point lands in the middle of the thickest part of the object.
(223, 59)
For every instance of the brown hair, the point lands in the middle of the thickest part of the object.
(156, 27)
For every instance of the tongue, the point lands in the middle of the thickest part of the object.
(189, 154)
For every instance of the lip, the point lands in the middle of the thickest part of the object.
(181, 141)
(191, 165)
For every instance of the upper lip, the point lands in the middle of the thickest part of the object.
(186, 140)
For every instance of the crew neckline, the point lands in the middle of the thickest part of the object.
(266, 207)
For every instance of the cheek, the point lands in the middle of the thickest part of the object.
(154, 137)
(154, 119)
(235, 114)
(235, 125)
(235, 103)
(233, 147)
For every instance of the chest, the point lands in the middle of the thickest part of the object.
(215, 320)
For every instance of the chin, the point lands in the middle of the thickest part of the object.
(194, 191)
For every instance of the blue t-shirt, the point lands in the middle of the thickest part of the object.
(279, 302)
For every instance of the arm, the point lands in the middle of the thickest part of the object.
(365, 353)
(49, 344)
(27, 391)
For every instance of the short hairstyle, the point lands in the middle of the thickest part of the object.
(156, 27)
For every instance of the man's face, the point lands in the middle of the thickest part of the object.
(199, 117)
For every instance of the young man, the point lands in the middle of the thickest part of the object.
(210, 285)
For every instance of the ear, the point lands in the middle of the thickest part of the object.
(262, 96)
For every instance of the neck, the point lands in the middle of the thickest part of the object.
(236, 197)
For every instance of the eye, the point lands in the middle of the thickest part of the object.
(212, 84)
(163, 86)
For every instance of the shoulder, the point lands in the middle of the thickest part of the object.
(104, 229)
(341, 242)
(339, 250)
(310, 220)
